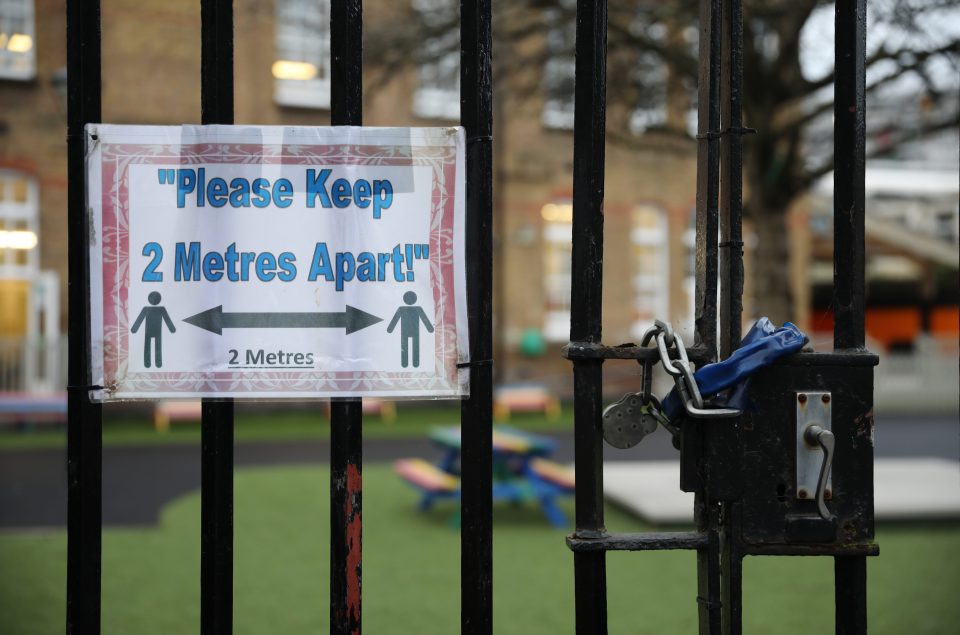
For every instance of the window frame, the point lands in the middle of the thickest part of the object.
(19, 216)
(293, 38)
(557, 262)
(437, 95)
(10, 34)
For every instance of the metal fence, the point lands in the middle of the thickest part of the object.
(719, 546)
(216, 532)
(734, 516)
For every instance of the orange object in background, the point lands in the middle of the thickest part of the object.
(894, 325)
(945, 320)
(821, 321)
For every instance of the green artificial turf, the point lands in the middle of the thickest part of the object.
(411, 572)
(413, 420)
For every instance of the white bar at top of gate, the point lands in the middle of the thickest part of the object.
(277, 262)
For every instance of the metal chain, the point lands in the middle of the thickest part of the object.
(679, 368)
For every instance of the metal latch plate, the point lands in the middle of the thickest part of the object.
(812, 408)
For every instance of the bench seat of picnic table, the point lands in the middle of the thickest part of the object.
(560, 476)
(426, 476)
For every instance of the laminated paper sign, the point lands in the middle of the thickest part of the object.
(276, 262)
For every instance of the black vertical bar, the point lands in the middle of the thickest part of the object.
(731, 564)
(216, 517)
(732, 591)
(216, 61)
(590, 568)
(708, 175)
(585, 305)
(346, 74)
(731, 179)
(346, 415)
(346, 524)
(706, 512)
(850, 594)
(731, 278)
(476, 413)
(850, 573)
(84, 418)
(589, 137)
(709, 591)
(216, 445)
(849, 112)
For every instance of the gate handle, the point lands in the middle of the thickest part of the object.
(815, 435)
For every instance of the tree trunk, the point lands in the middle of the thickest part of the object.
(772, 288)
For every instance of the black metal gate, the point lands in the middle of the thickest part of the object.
(216, 534)
(731, 519)
(746, 499)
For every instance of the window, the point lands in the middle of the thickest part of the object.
(651, 109)
(688, 310)
(29, 298)
(946, 226)
(660, 87)
(558, 71)
(17, 36)
(438, 88)
(650, 249)
(302, 69)
(19, 220)
(557, 254)
(648, 73)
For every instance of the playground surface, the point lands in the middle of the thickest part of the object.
(411, 571)
(411, 559)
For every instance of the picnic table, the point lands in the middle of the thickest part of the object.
(24, 409)
(521, 471)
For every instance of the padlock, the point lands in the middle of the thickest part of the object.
(628, 421)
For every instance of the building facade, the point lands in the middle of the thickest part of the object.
(151, 75)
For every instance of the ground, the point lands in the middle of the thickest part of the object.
(411, 560)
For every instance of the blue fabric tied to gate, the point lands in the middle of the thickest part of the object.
(763, 344)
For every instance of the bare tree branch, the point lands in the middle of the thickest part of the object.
(784, 125)
(884, 55)
(899, 138)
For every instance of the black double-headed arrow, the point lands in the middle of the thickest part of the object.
(215, 320)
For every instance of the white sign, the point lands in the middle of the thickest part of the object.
(275, 262)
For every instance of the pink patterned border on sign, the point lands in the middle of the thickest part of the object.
(118, 381)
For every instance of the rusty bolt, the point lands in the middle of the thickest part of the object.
(802, 493)
(802, 398)
(826, 398)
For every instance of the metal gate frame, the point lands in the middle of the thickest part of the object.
(85, 417)
(718, 214)
(719, 256)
